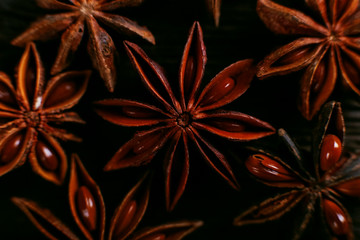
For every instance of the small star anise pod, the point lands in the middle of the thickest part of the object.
(335, 174)
(214, 8)
(29, 112)
(100, 45)
(329, 50)
(179, 122)
(88, 210)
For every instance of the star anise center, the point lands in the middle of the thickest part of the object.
(87, 9)
(33, 119)
(184, 119)
(333, 37)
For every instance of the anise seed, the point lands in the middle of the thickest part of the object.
(46, 156)
(219, 91)
(10, 148)
(87, 207)
(156, 236)
(336, 218)
(126, 218)
(330, 151)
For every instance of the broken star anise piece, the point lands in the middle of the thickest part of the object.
(100, 45)
(180, 122)
(335, 175)
(214, 9)
(329, 49)
(88, 210)
(30, 113)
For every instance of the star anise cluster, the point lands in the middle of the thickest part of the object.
(186, 119)
(180, 122)
(328, 48)
(335, 176)
(81, 14)
(28, 113)
(88, 211)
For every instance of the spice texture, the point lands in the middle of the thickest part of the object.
(177, 115)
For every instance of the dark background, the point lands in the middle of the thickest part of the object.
(207, 197)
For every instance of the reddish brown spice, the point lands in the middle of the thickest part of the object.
(332, 179)
(330, 152)
(327, 49)
(26, 111)
(179, 122)
(100, 45)
(336, 218)
(214, 8)
(88, 210)
(268, 169)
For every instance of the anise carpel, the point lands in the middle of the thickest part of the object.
(328, 48)
(100, 45)
(88, 210)
(180, 122)
(31, 112)
(335, 175)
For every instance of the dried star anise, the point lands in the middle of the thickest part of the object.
(214, 8)
(29, 112)
(100, 46)
(336, 174)
(179, 122)
(329, 50)
(88, 210)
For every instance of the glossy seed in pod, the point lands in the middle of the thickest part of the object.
(351, 70)
(189, 72)
(336, 218)
(87, 207)
(156, 236)
(330, 151)
(145, 143)
(11, 148)
(218, 91)
(5, 95)
(350, 188)
(61, 93)
(136, 112)
(268, 169)
(294, 55)
(46, 156)
(319, 77)
(228, 125)
(30, 77)
(125, 218)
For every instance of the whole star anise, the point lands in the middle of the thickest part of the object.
(179, 121)
(336, 174)
(100, 45)
(88, 210)
(329, 50)
(29, 112)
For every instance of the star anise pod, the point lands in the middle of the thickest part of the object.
(214, 8)
(179, 121)
(335, 175)
(100, 45)
(329, 49)
(29, 112)
(88, 210)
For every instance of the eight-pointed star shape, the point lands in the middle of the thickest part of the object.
(329, 49)
(334, 176)
(100, 45)
(30, 115)
(88, 210)
(180, 122)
